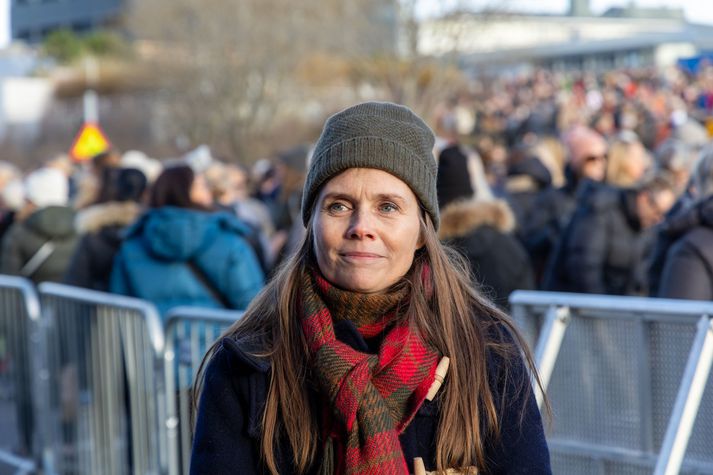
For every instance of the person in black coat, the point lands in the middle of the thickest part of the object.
(688, 271)
(688, 267)
(482, 230)
(527, 178)
(552, 208)
(603, 248)
(101, 227)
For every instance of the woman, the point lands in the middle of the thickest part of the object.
(335, 367)
(180, 253)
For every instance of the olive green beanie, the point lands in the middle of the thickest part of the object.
(377, 135)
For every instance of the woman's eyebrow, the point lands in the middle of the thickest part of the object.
(391, 197)
(336, 195)
(339, 195)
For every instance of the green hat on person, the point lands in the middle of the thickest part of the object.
(379, 135)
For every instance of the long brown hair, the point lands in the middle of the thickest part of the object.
(456, 320)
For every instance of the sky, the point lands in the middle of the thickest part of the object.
(697, 11)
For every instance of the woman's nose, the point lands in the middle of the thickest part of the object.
(361, 226)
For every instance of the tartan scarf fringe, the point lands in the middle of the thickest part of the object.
(372, 397)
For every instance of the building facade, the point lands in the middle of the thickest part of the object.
(31, 20)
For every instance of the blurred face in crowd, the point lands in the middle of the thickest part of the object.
(653, 206)
(638, 161)
(588, 153)
(200, 193)
(238, 183)
(366, 230)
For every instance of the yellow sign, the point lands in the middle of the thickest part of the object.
(90, 141)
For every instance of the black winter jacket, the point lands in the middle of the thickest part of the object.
(685, 216)
(482, 232)
(547, 220)
(101, 228)
(227, 434)
(688, 272)
(602, 250)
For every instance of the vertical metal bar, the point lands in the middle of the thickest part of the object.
(171, 415)
(645, 390)
(548, 346)
(688, 400)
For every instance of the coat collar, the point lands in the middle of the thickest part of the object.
(463, 217)
(95, 217)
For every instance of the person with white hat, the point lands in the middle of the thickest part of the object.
(40, 246)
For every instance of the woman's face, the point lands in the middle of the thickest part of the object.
(200, 193)
(366, 230)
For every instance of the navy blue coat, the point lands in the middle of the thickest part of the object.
(152, 263)
(227, 433)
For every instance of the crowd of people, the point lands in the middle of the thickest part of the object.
(603, 184)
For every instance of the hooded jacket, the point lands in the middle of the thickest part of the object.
(228, 426)
(482, 232)
(24, 239)
(153, 262)
(101, 228)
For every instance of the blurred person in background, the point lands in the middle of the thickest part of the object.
(332, 368)
(150, 167)
(11, 195)
(553, 207)
(90, 176)
(41, 242)
(678, 159)
(527, 178)
(291, 166)
(604, 247)
(180, 252)
(229, 186)
(688, 268)
(628, 161)
(101, 227)
(481, 228)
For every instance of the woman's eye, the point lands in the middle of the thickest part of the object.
(388, 208)
(337, 208)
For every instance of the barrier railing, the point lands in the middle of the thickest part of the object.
(20, 442)
(189, 334)
(106, 387)
(627, 379)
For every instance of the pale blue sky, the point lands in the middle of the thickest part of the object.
(698, 11)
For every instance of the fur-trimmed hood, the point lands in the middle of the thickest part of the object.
(461, 218)
(95, 217)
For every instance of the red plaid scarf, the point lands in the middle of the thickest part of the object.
(373, 397)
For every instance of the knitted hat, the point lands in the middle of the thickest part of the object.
(47, 187)
(379, 135)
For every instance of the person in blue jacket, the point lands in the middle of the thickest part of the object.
(180, 253)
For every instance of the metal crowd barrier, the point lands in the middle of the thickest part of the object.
(106, 389)
(627, 378)
(20, 442)
(190, 332)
